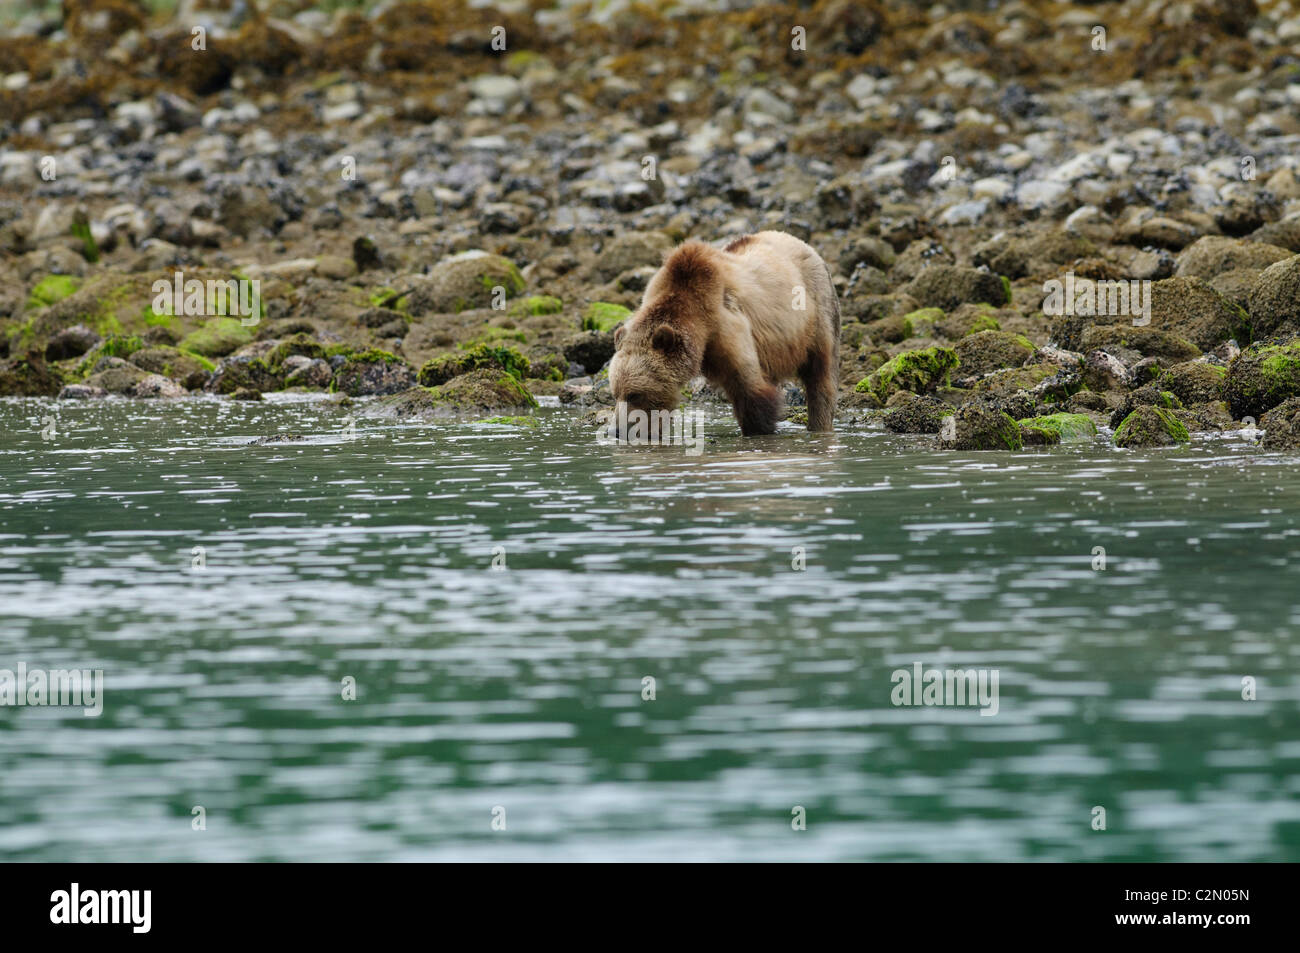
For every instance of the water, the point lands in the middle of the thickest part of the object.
(521, 689)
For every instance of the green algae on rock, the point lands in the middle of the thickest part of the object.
(530, 422)
(979, 426)
(217, 337)
(439, 370)
(1261, 377)
(1057, 428)
(603, 316)
(483, 391)
(536, 304)
(917, 371)
(51, 289)
(1150, 426)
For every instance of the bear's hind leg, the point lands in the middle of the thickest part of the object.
(820, 389)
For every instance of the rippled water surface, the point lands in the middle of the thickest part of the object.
(482, 689)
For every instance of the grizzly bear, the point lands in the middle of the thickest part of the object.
(748, 316)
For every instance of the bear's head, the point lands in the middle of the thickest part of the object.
(659, 349)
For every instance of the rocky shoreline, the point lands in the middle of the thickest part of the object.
(453, 227)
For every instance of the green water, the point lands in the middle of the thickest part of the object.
(521, 688)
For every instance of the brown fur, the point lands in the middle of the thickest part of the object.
(728, 314)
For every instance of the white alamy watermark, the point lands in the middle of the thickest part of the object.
(60, 687)
(1104, 297)
(946, 687)
(240, 297)
(133, 907)
(638, 428)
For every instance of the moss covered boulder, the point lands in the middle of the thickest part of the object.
(1151, 427)
(631, 250)
(1282, 426)
(1261, 377)
(917, 371)
(986, 351)
(28, 376)
(1212, 255)
(190, 370)
(71, 342)
(245, 373)
(911, 414)
(480, 392)
(978, 425)
(968, 319)
(1057, 428)
(217, 337)
(465, 281)
(1275, 300)
(1006, 383)
(440, 369)
(373, 372)
(1194, 382)
(1192, 310)
(948, 286)
(1147, 341)
(1145, 396)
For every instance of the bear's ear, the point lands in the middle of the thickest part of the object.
(667, 339)
(619, 332)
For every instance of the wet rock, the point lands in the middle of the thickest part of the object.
(246, 393)
(276, 438)
(117, 376)
(1006, 383)
(71, 342)
(365, 253)
(1262, 376)
(188, 370)
(966, 320)
(978, 426)
(244, 373)
(1194, 382)
(1160, 230)
(1212, 255)
(157, 386)
(1282, 426)
(912, 414)
(631, 250)
(1104, 371)
(1275, 300)
(1150, 426)
(28, 377)
(302, 371)
(479, 392)
(866, 251)
(947, 286)
(1147, 341)
(987, 351)
(591, 349)
(373, 372)
(82, 392)
(463, 282)
(1283, 234)
(1148, 396)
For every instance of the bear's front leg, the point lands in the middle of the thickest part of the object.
(757, 408)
